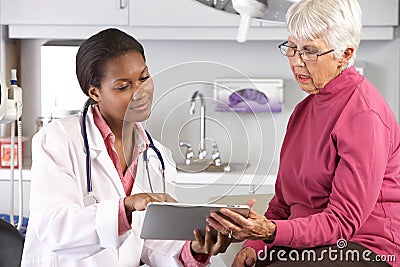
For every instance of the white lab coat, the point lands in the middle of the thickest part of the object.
(62, 231)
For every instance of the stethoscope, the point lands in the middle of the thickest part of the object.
(90, 198)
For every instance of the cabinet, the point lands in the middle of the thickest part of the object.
(379, 19)
(202, 186)
(380, 13)
(72, 12)
(162, 20)
(374, 13)
(180, 13)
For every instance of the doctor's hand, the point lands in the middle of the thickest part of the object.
(140, 201)
(206, 244)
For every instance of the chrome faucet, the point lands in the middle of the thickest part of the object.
(189, 151)
(202, 150)
(216, 155)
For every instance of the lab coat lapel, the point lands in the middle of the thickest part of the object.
(102, 165)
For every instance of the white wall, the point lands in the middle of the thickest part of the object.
(173, 63)
(260, 59)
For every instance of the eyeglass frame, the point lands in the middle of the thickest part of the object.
(301, 52)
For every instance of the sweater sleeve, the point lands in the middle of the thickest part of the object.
(363, 147)
(277, 208)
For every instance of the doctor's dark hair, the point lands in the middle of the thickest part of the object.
(95, 52)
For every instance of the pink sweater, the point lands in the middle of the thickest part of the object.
(339, 174)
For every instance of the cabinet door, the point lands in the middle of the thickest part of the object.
(380, 13)
(374, 13)
(180, 13)
(71, 12)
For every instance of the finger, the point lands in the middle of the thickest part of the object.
(154, 197)
(170, 199)
(198, 237)
(215, 224)
(239, 260)
(246, 257)
(251, 257)
(198, 244)
(222, 244)
(227, 222)
(250, 262)
(233, 217)
(219, 219)
(251, 202)
(162, 197)
(138, 201)
(208, 244)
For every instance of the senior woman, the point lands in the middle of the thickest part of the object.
(337, 194)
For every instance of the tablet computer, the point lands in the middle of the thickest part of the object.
(176, 221)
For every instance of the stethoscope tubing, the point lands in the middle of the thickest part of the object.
(153, 147)
(145, 157)
(88, 162)
(160, 158)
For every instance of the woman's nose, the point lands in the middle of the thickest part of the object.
(137, 95)
(297, 60)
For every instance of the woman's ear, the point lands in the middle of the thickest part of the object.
(94, 93)
(347, 55)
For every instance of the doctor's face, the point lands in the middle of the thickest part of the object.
(126, 92)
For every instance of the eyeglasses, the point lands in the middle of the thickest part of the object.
(305, 54)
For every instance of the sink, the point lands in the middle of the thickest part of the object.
(206, 165)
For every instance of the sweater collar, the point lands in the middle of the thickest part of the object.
(345, 83)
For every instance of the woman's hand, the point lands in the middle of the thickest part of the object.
(206, 244)
(246, 257)
(255, 226)
(140, 201)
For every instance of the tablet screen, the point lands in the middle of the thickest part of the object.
(177, 221)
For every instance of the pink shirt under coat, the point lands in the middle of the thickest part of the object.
(339, 173)
(128, 179)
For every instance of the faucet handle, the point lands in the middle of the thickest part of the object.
(216, 155)
(189, 151)
(202, 154)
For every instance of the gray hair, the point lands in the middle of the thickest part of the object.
(338, 22)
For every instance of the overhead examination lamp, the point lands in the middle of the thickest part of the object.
(266, 10)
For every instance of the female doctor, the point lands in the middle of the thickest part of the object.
(90, 185)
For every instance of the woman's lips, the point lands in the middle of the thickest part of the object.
(302, 78)
(140, 107)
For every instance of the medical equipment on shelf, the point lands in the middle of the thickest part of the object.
(272, 11)
(90, 198)
(248, 9)
(10, 112)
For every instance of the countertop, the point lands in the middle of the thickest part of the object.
(254, 174)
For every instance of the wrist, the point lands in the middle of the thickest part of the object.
(128, 207)
(271, 232)
(201, 258)
(192, 251)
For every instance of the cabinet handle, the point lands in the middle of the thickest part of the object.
(123, 4)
